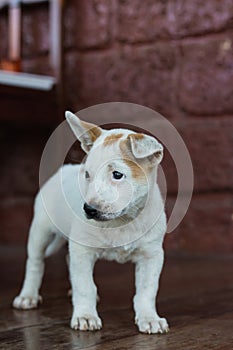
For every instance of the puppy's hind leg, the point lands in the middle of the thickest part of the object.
(40, 236)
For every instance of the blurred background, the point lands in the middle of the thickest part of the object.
(174, 56)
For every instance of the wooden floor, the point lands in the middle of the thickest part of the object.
(196, 296)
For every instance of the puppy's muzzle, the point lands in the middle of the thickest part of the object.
(91, 212)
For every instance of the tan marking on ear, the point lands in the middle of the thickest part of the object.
(92, 129)
(137, 136)
(125, 149)
(139, 168)
(138, 173)
(111, 139)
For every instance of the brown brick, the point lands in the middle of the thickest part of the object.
(207, 227)
(20, 160)
(206, 75)
(143, 75)
(3, 34)
(37, 65)
(143, 21)
(199, 17)
(210, 143)
(73, 74)
(15, 219)
(35, 30)
(88, 23)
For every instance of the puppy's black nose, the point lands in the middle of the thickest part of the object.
(90, 211)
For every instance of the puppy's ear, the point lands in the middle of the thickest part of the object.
(143, 146)
(86, 133)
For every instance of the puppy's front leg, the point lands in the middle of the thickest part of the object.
(147, 280)
(84, 291)
(39, 238)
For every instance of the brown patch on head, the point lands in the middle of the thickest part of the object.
(140, 168)
(126, 149)
(93, 130)
(111, 139)
(138, 172)
(137, 137)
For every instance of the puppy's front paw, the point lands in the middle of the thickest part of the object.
(26, 302)
(86, 322)
(152, 325)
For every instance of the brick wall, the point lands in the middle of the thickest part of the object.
(175, 56)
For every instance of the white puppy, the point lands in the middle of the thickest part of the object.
(109, 207)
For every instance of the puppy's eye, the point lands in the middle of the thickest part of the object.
(117, 175)
(87, 175)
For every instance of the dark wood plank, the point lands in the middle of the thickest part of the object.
(208, 334)
(196, 296)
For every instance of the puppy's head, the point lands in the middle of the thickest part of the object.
(119, 170)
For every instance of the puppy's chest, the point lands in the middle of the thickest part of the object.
(119, 254)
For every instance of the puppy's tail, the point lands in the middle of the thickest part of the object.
(55, 245)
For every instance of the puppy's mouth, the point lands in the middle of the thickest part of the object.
(97, 215)
(102, 216)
